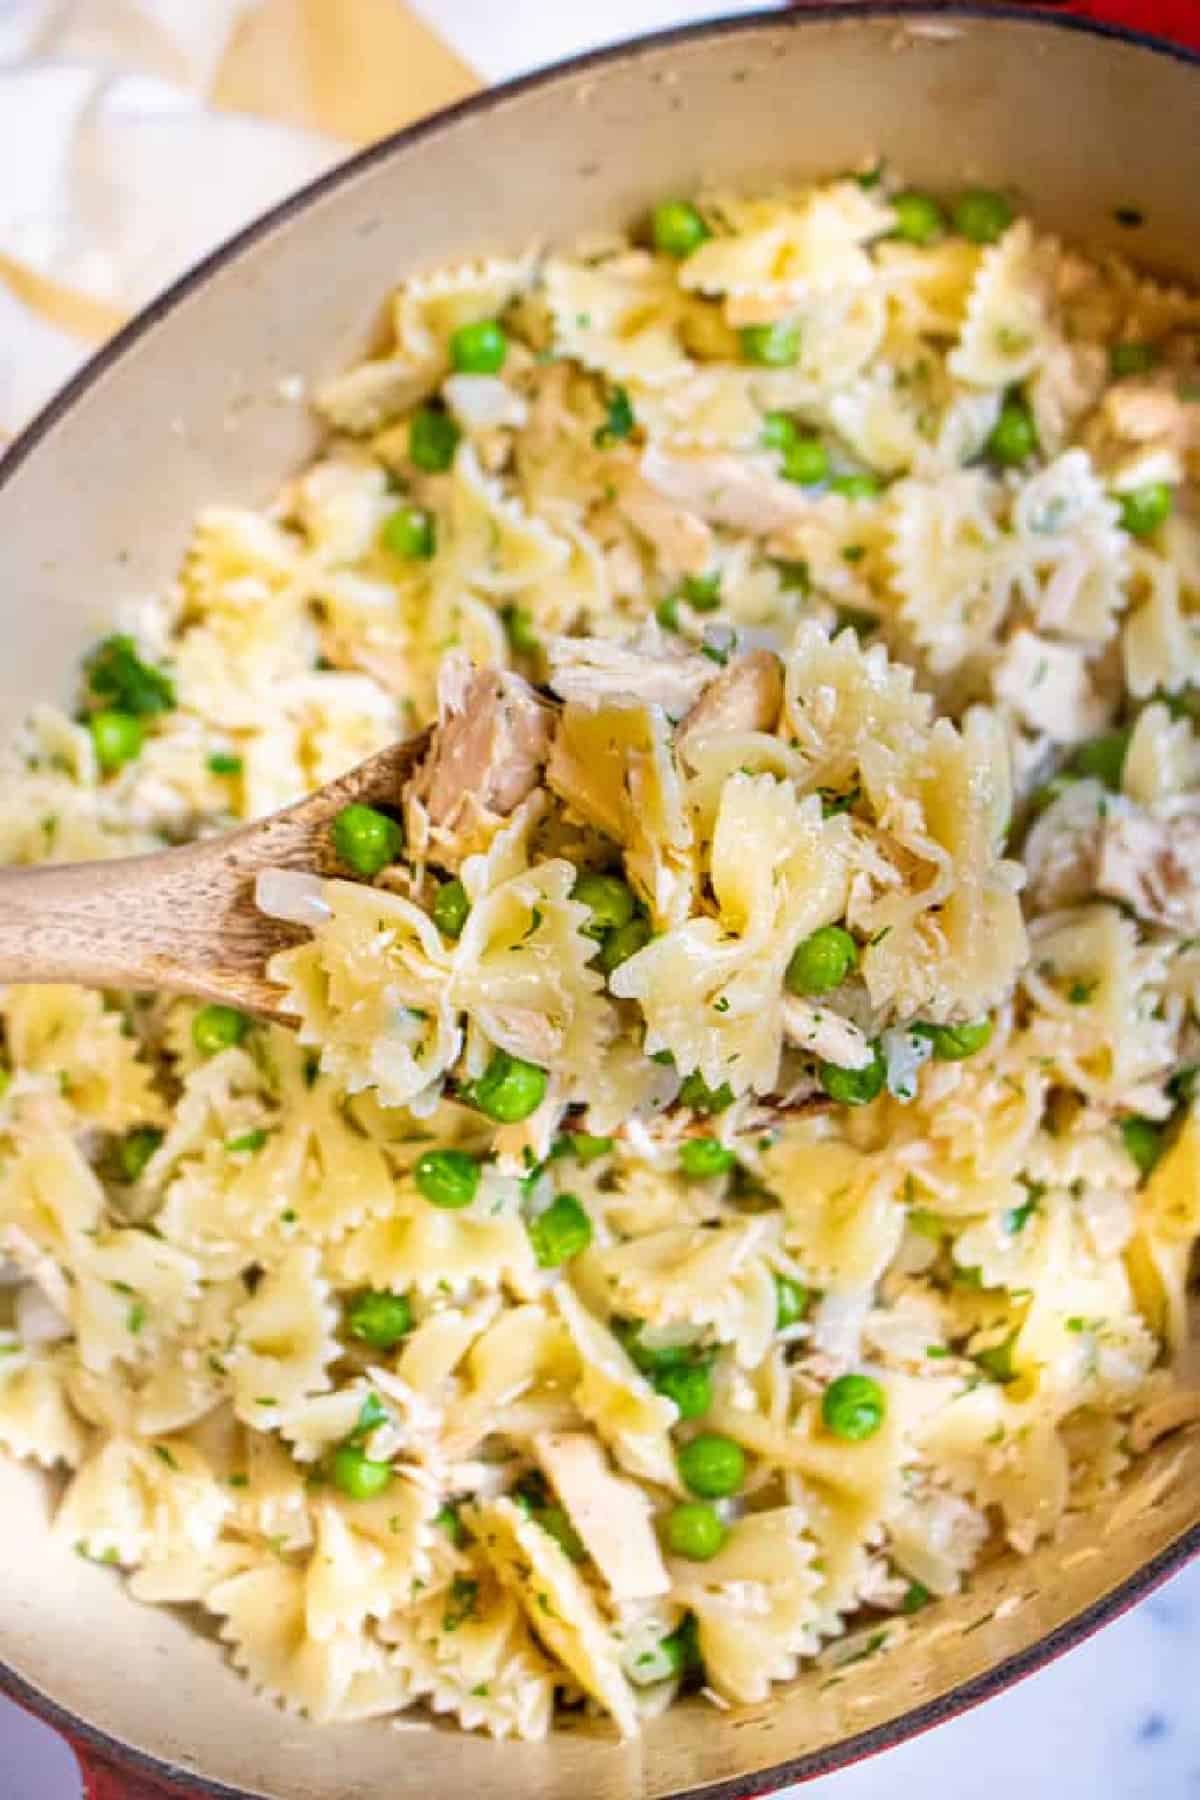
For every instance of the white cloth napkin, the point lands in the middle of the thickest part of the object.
(117, 173)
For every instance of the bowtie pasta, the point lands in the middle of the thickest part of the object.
(736, 1161)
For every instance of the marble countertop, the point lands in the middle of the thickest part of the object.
(1117, 1718)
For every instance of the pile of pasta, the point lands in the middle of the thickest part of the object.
(808, 566)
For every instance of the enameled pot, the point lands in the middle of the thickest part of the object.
(187, 406)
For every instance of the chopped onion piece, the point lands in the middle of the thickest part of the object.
(293, 895)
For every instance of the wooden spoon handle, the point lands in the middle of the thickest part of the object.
(183, 921)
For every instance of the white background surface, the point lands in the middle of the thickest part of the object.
(1117, 1719)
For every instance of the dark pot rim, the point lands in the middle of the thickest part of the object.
(110, 1753)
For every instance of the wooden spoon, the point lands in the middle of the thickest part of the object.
(184, 921)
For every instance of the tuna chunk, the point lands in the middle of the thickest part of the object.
(742, 493)
(1153, 865)
(488, 751)
(611, 1514)
(653, 670)
(745, 696)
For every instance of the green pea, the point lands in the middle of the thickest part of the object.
(554, 1520)
(378, 1318)
(609, 900)
(711, 1465)
(779, 432)
(806, 462)
(217, 1028)
(224, 762)
(117, 674)
(136, 1149)
(1143, 509)
(1143, 1140)
(667, 612)
(1103, 757)
(677, 228)
(586, 1148)
(357, 1476)
(982, 215)
(451, 908)
(116, 737)
(624, 942)
(856, 487)
(432, 439)
(1132, 358)
(702, 592)
(855, 1087)
(509, 1089)
(365, 839)
(701, 1157)
(791, 1302)
(821, 962)
(479, 349)
(651, 1359)
(689, 1385)
(696, 1093)
(954, 1043)
(774, 346)
(560, 1233)
(1013, 438)
(519, 628)
(853, 1407)
(411, 532)
(695, 1530)
(919, 218)
(447, 1178)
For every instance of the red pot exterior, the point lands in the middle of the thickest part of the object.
(1174, 21)
(103, 1780)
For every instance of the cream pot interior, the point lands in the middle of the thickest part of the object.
(191, 409)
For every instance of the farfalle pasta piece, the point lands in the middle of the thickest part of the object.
(37, 1421)
(368, 1557)
(524, 1363)
(1098, 994)
(468, 1652)
(951, 569)
(559, 1606)
(954, 948)
(1160, 645)
(133, 1503)
(1010, 323)
(493, 544)
(371, 991)
(844, 1215)
(66, 1035)
(620, 1403)
(284, 1339)
(788, 250)
(613, 766)
(264, 1621)
(718, 1278)
(711, 989)
(619, 317)
(420, 1246)
(754, 1602)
